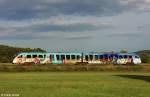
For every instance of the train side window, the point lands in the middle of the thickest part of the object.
(28, 56)
(130, 56)
(96, 57)
(125, 56)
(78, 57)
(58, 57)
(110, 57)
(106, 56)
(40, 56)
(73, 57)
(34, 56)
(86, 57)
(120, 57)
(20, 56)
(101, 56)
(115, 56)
(44, 56)
(68, 57)
(91, 57)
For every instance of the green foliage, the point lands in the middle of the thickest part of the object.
(7, 53)
(123, 51)
(145, 59)
(145, 56)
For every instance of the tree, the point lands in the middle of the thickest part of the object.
(123, 51)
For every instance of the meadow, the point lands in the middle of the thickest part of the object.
(75, 84)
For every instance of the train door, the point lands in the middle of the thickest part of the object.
(115, 58)
(28, 58)
(35, 59)
(63, 59)
(86, 58)
(51, 58)
(41, 58)
(96, 59)
(91, 59)
(58, 59)
(79, 58)
(68, 58)
(101, 58)
(121, 60)
(73, 58)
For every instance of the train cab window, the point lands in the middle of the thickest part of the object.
(68, 57)
(137, 57)
(86, 57)
(101, 57)
(20, 56)
(73, 57)
(28, 56)
(78, 57)
(40, 56)
(34, 56)
(57, 57)
(125, 56)
(120, 57)
(91, 57)
(44, 56)
(96, 57)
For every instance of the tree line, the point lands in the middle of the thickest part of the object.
(7, 53)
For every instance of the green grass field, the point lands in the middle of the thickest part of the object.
(75, 84)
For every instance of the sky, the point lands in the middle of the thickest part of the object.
(76, 25)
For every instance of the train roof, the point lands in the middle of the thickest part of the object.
(85, 53)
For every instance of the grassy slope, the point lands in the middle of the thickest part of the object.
(75, 84)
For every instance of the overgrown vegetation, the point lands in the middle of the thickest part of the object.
(145, 56)
(7, 53)
(8, 67)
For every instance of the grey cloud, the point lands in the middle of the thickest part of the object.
(25, 9)
(129, 35)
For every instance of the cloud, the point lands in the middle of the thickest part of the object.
(26, 9)
(138, 5)
(30, 29)
(85, 23)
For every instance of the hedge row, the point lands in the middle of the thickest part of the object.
(49, 67)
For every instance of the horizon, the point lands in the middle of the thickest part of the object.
(75, 25)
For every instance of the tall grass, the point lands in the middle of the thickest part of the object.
(70, 67)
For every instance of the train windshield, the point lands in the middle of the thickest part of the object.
(137, 57)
